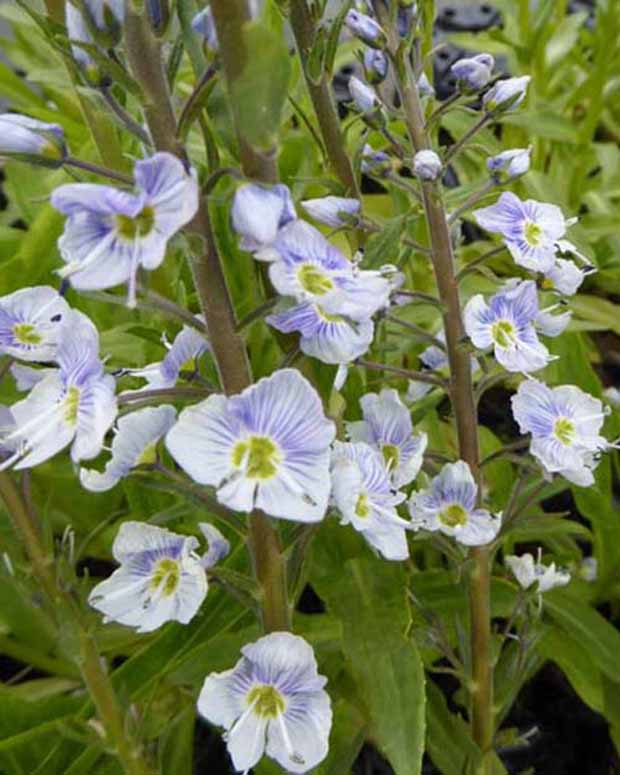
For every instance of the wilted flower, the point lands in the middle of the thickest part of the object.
(427, 165)
(273, 701)
(72, 404)
(507, 323)
(388, 428)
(134, 444)
(363, 494)
(530, 229)
(509, 165)
(27, 139)
(258, 213)
(331, 338)
(161, 579)
(375, 65)
(266, 448)
(110, 233)
(31, 321)
(449, 506)
(473, 73)
(365, 28)
(506, 94)
(334, 211)
(527, 572)
(565, 424)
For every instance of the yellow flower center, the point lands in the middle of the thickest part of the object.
(391, 455)
(313, 280)
(140, 226)
(327, 317)
(26, 333)
(148, 456)
(166, 574)
(564, 431)
(532, 233)
(453, 515)
(267, 701)
(362, 507)
(503, 333)
(72, 405)
(260, 456)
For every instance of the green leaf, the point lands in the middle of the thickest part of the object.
(259, 92)
(383, 248)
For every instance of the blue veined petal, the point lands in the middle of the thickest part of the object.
(82, 198)
(481, 528)
(300, 741)
(533, 408)
(505, 216)
(31, 320)
(259, 212)
(456, 484)
(218, 547)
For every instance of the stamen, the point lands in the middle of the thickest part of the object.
(292, 754)
(77, 266)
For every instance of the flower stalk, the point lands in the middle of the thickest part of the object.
(461, 386)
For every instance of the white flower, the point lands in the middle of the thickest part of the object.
(31, 320)
(427, 165)
(527, 572)
(273, 701)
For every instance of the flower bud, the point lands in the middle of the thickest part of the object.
(204, 26)
(375, 65)
(367, 102)
(333, 211)
(427, 165)
(376, 163)
(425, 87)
(99, 23)
(30, 140)
(365, 28)
(506, 95)
(259, 212)
(509, 165)
(405, 20)
(159, 15)
(473, 73)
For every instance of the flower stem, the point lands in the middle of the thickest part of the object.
(227, 345)
(93, 673)
(95, 169)
(461, 388)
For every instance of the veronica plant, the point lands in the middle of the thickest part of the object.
(375, 409)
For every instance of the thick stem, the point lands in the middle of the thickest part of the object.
(93, 673)
(145, 58)
(320, 94)
(461, 390)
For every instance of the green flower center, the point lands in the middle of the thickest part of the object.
(453, 515)
(266, 700)
(313, 280)
(260, 455)
(391, 455)
(140, 226)
(148, 456)
(362, 507)
(503, 333)
(26, 333)
(72, 405)
(532, 233)
(327, 317)
(166, 574)
(564, 431)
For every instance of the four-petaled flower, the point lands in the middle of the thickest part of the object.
(31, 321)
(449, 506)
(273, 701)
(507, 323)
(528, 572)
(366, 499)
(266, 448)
(565, 423)
(110, 234)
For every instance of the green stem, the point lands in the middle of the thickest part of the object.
(95, 169)
(93, 673)
(321, 96)
(461, 387)
(145, 58)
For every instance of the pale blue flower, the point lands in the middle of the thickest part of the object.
(134, 444)
(110, 234)
(387, 427)
(507, 324)
(218, 547)
(266, 448)
(363, 95)
(507, 94)
(258, 214)
(334, 211)
(365, 497)
(331, 338)
(161, 579)
(565, 424)
(565, 276)
(375, 65)
(74, 404)
(272, 702)
(28, 139)
(448, 506)
(365, 28)
(528, 572)
(530, 229)
(203, 25)
(473, 73)
(427, 165)
(188, 345)
(509, 165)
(309, 268)
(31, 322)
